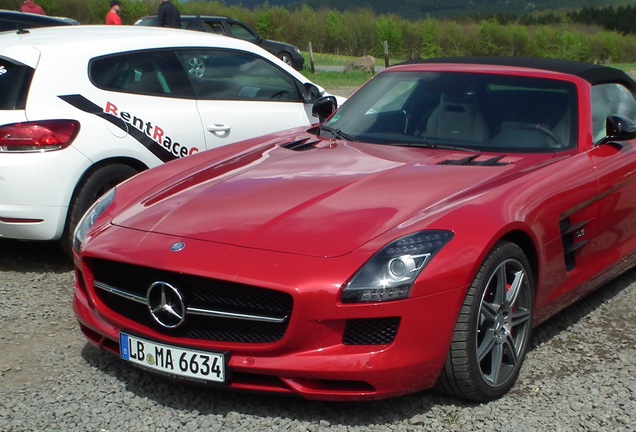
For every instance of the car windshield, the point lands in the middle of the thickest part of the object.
(469, 111)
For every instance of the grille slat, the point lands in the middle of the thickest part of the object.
(201, 293)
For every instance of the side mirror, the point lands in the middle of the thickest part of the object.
(619, 128)
(311, 93)
(324, 107)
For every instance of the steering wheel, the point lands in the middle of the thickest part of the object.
(279, 94)
(551, 135)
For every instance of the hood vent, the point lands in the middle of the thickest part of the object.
(472, 161)
(300, 145)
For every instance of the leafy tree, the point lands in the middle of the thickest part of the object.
(388, 29)
(458, 40)
(360, 34)
(492, 39)
(334, 25)
(606, 47)
(431, 39)
(309, 27)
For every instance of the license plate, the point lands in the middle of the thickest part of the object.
(172, 360)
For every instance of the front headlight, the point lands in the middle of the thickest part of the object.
(390, 273)
(90, 217)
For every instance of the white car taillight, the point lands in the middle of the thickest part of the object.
(38, 136)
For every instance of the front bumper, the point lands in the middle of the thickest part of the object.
(299, 61)
(318, 370)
(311, 359)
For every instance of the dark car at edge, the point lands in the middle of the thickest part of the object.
(233, 28)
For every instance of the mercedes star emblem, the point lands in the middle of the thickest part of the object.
(178, 246)
(166, 304)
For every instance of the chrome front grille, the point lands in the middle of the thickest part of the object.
(216, 310)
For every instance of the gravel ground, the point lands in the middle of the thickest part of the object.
(578, 376)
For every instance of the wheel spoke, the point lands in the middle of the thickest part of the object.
(515, 288)
(519, 317)
(486, 345)
(511, 351)
(496, 361)
(500, 288)
(489, 312)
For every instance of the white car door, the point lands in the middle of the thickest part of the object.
(148, 102)
(241, 95)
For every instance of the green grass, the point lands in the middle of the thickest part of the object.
(333, 59)
(335, 80)
(328, 59)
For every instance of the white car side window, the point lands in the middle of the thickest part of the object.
(152, 73)
(231, 75)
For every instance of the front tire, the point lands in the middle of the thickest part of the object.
(86, 193)
(493, 329)
(287, 58)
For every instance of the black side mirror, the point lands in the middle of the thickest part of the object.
(311, 93)
(324, 107)
(619, 128)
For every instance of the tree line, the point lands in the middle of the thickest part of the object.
(611, 18)
(420, 9)
(361, 31)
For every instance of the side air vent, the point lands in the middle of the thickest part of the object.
(472, 161)
(372, 331)
(572, 237)
(300, 145)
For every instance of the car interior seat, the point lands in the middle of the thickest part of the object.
(457, 117)
(147, 82)
(563, 128)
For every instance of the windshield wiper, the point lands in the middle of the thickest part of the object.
(337, 133)
(436, 146)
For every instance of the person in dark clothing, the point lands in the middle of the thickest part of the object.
(168, 15)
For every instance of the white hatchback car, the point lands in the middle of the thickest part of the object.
(85, 107)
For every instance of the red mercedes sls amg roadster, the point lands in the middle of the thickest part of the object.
(410, 240)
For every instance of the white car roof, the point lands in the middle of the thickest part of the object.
(96, 40)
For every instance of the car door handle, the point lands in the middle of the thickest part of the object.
(219, 130)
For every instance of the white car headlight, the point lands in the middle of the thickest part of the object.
(90, 217)
(390, 273)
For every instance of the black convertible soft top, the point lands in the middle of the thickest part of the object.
(594, 74)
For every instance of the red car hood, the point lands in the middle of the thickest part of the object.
(325, 201)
